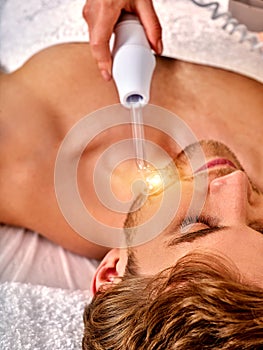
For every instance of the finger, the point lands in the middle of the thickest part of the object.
(101, 19)
(151, 24)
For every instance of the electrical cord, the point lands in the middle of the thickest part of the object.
(245, 35)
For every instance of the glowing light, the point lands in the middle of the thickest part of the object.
(157, 180)
(154, 181)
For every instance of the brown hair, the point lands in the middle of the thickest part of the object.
(197, 304)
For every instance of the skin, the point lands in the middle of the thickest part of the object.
(57, 87)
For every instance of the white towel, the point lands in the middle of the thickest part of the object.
(40, 318)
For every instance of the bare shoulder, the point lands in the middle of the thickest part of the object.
(39, 103)
(70, 72)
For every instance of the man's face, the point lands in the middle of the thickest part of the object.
(230, 224)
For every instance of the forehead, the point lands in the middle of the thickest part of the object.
(240, 247)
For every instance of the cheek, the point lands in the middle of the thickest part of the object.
(154, 256)
(184, 202)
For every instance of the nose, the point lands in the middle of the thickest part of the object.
(228, 197)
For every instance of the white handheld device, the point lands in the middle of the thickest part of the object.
(133, 61)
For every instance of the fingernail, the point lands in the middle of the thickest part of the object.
(105, 75)
(159, 46)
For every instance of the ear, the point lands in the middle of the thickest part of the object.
(113, 265)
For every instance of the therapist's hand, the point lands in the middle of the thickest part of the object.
(101, 17)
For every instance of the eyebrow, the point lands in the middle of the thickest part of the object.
(192, 236)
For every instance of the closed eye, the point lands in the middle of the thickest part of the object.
(185, 232)
(190, 221)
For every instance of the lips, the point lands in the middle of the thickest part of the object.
(216, 162)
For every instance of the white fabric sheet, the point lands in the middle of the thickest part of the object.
(29, 258)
